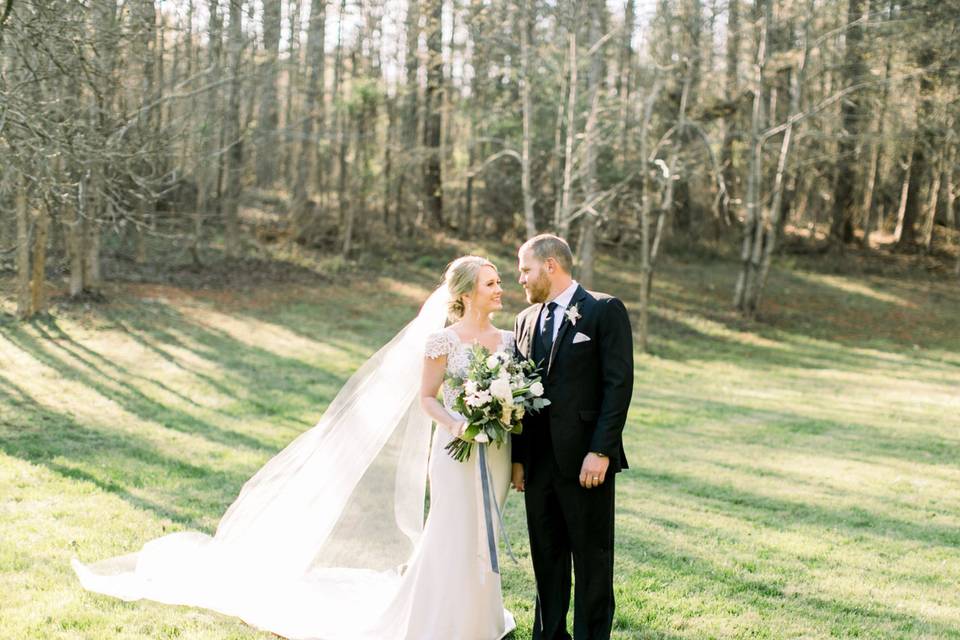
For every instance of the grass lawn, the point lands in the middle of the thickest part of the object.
(795, 478)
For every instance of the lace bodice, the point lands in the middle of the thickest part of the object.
(447, 343)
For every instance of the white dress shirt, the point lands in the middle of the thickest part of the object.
(563, 301)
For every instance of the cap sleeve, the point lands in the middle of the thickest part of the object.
(438, 344)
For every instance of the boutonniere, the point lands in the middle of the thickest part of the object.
(573, 314)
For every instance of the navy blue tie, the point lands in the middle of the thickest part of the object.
(547, 335)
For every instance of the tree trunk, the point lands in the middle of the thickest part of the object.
(231, 133)
(293, 80)
(646, 258)
(904, 197)
(562, 222)
(313, 112)
(586, 251)
(852, 115)
(771, 230)
(924, 140)
(269, 115)
(24, 309)
(556, 167)
(38, 297)
(208, 166)
(432, 178)
(411, 117)
(74, 227)
(949, 190)
(731, 92)
(952, 214)
(526, 36)
(750, 251)
(929, 222)
(340, 129)
(625, 78)
(145, 28)
(876, 152)
(391, 106)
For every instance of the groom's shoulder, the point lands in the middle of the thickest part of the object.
(604, 301)
(601, 297)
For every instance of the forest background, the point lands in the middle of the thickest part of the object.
(212, 212)
(349, 127)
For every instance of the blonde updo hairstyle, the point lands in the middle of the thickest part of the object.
(461, 280)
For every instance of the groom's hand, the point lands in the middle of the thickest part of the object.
(517, 480)
(593, 471)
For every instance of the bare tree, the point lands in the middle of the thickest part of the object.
(752, 232)
(564, 211)
(526, 36)
(586, 250)
(852, 117)
(433, 99)
(731, 92)
(876, 150)
(269, 115)
(303, 217)
(24, 297)
(231, 131)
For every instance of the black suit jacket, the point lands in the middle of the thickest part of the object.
(589, 383)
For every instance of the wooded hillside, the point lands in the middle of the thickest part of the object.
(349, 125)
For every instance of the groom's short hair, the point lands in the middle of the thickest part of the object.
(547, 245)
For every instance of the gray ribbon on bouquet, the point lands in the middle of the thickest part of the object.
(490, 507)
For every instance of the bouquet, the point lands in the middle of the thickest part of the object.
(493, 395)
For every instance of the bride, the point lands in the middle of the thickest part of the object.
(328, 540)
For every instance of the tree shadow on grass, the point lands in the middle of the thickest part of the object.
(127, 396)
(57, 337)
(372, 318)
(811, 482)
(262, 379)
(888, 317)
(776, 512)
(785, 430)
(652, 560)
(676, 336)
(115, 463)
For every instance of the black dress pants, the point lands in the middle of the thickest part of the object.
(567, 522)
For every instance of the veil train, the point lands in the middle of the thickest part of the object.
(317, 538)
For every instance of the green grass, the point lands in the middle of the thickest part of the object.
(795, 478)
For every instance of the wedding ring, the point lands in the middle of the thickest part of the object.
(595, 478)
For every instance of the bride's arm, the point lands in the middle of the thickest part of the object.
(433, 371)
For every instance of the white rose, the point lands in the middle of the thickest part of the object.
(500, 389)
(481, 438)
(492, 361)
(536, 389)
(478, 399)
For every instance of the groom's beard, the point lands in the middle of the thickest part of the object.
(539, 289)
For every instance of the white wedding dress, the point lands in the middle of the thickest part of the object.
(450, 590)
(328, 540)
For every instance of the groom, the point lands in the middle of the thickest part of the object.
(567, 457)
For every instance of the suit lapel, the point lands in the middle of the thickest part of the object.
(565, 325)
(530, 330)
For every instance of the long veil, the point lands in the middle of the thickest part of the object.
(325, 524)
